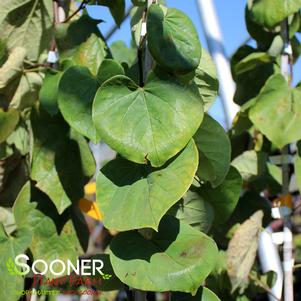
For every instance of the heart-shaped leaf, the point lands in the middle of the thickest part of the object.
(8, 122)
(177, 258)
(277, 111)
(224, 197)
(215, 151)
(125, 188)
(172, 39)
(203, 294)
(151, 123)
(270, 12)
(77, 89)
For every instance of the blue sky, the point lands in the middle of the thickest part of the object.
(231, 18)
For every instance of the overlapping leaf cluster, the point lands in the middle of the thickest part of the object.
(171, 183)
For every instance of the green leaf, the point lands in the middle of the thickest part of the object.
(10, 247)
(49, 92)
(91, 53)
(252, 61)
(117, 9)
(12, 67)
(242, 250)
(122, 54)
(21, 138)
(249, 83)
(203, 294)
(269, 13)
(195, 211)
(47, 243)
(172, 39)
(28, 24)
(224, 197)
(8, 122)
(251, 164)
(214, 150)
(58, 175)
(77, 89)
(87, 159)
(108, 69)
(23, 92)
(69, 36)
(125, 188)
(161, 117)
(177, 258)
(277, 112)
(206, 80)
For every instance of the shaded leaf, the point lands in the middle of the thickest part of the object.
(206, 80)
(224, 197)
(177, 258)
(8, 122)
(214, 150)
(47, 243)
(24, 21)
(49, 92)
(77, 89)
(56, 164)
(195, 211)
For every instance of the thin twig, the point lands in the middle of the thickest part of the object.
(82, 6)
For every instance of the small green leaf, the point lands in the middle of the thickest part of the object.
(172, 39)
(269, 13)
(214, 150)
(125, 188)
(8, 122)
(151, 123)
(47, 243)
(69, 36)
(49, 92)
(91, 53)
(224, 197)
(251, 61)
(277, 111)
(77, 89)
(195, 211)
(108, 69)
(177, 258)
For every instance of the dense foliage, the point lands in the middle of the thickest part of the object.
(174, 192)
